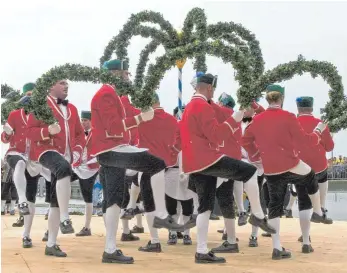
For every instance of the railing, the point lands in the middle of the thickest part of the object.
(337, 172)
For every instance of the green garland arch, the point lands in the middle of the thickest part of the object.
(288, 70)
(73, 72)
(143, 97)
(10, 103)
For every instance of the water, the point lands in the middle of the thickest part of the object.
(336, 201)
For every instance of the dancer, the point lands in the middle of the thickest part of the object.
(178, 194)
(86, 174)
(202, 136)
(110, 144)
(315, 157)
(272, 135)
(55, 147)
(15, 134)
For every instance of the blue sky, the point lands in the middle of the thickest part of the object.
(37, 35)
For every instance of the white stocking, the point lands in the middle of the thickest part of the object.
(202, 223)
(89, 213)
(305, 224)
(276, 242)
(323, 191)
(152, 231)
(112, 218)
(252, 189)
(230, 230)
(53, 226)
(134, 194)
(63, 189)
(28, 220)
(20, 181)
(238, 195)
(158, 188)
(185, 220)
(126, 229)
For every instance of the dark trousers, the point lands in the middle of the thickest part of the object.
(12, 160)
(204, 184)
(9, 191)
(171, 206)
(59, 169)
(86, 186)
(112, 176)
(277, 185)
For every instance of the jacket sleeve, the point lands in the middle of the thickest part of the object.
(298, 133)
(36, 129)
(327, 141)
(177, 144)
(108, 108)
(249, 145)
(5, 138)
(216, 132)
(80, 141)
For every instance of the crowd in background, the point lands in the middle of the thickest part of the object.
(337, 167)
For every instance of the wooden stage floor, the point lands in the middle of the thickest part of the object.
(84, 254)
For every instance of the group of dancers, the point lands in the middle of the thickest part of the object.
(210, 152)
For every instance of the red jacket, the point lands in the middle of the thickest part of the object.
(71, 134)
(18, 121)
(272, 136)
(159, 135)
(131, 111)
(232, 145)
(88, 149)
(110, 126)
(202, 135)
(315, 156)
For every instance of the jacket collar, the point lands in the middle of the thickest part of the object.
(53, 101)
(199, 96)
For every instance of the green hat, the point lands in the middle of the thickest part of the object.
(208, 78)
(115, 65)
(86, 115)
(275, 88)
(304, 102)
(28, 87)
(226, 100)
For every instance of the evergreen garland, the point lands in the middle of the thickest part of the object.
(73, 72)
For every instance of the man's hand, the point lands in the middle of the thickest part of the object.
(320, 127)
(76, 159)
(8, 129)
(54, 129)
(238, 116)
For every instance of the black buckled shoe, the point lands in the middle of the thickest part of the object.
(266, 234)
(168, 223)
(253, 241)
(117, 257)
(55, 251)
(27, 243)
(220, 230)
(45, 237)
(326, 219)
(214, 217)
(66, 227)
(137, 210)
(23, 208)
(262, 223)
(281, 254)
(172, 239)
(129, 237)
(84, 232)
(128, 214)
(137, 229)
(208, 258)
(151, 247)
(191, 223)
(226, 247)
(315, 218)
(187, 240)
(307, 249)
(19, 223)
(243, 217)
